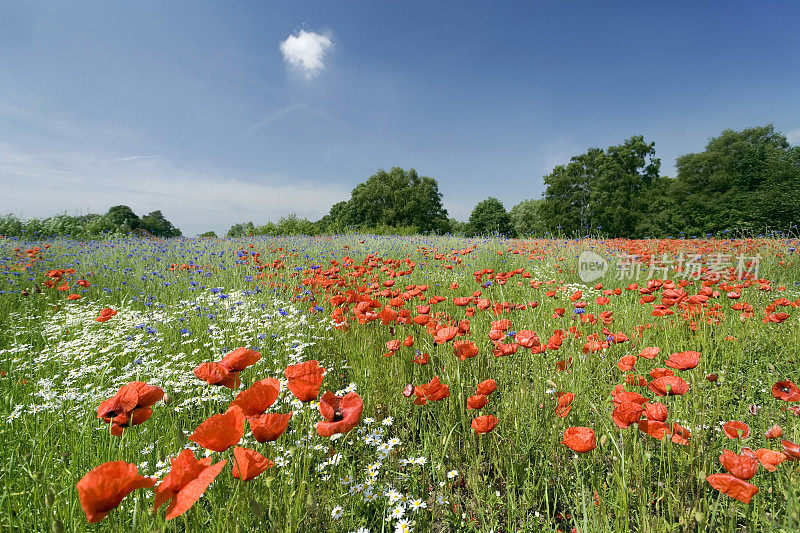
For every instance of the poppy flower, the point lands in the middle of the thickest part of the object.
(220, 432)
(680, 435)
(668, 386)
(239, 359)
(626, 414)
(791, 450)
(660, 373)
(741, 466)
(774, 432)
(769, 459)
(733, 486)
(478, 401)
(104, 487)
(74, 297)
(259, 397)
(650, 352)
(484, 424)
(186, 482)
(683, 360)
(305, 379)
(786, 391)
(654, 428)
(445, 334)
(626, 363)
(655, 411)
(105, 314)
(393, 345)
(579, 439)
(269, 426)
(341, 414)
(527, 338)
(249, 464)
(464, 349)
(564, 403)
(408, 342)
(422, 359)
(487, 387)
(214, 373)
(736, 430)
(434, 391)
(130, 406)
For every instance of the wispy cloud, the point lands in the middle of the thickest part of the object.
(196, 200)
(294, 111)
(306, 51)
(793, 137)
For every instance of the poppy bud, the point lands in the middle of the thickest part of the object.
(49, 498)
(25, 293)
(603, 440)
(754, 409)
(256, 509)
(712, 377)
(57, 526)
(167, 399)
(698, 517)
(38, 290)
(408, 390)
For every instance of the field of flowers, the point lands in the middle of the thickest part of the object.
(364, 383)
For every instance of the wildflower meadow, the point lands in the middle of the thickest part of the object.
(358, 383)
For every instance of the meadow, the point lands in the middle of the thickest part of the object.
(468, 385)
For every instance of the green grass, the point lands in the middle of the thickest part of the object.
(59, 363)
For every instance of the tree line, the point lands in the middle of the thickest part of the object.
(119, 220)
(746, 181)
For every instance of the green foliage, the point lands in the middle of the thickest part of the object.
(208, 234)
(743, 180)
(159, 226)
(237, 230)
(395, 198)
(490, 218)
(526, 217)
(122, 216)
(601, 190)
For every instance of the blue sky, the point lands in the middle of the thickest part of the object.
(217, 113)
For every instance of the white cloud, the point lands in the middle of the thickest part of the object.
(306, 51)
(793, 137)
(195, 200)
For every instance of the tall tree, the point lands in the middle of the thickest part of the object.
(490, 218)
(158, 225)
(748, 179)
(395, 198)
(526, 217)
(123, 218)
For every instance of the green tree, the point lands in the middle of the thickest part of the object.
(123, 218)
(601, 190)
(156, 224)
(490, 218)
(242, 228)
(208, 235)
(395, 198)
(748, 179)
(526, 217)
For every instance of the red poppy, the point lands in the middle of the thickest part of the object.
(564, 403)
(733, 486)
(249, 464)
(104, 487)
(478, 401)
(660, 373)
(393, 345)
(769, 459)
(527, 338)
(774, 432)
(269, 426)
(649, 352)
(626, 414)
(655, 411)
(445, 334)
(579, 439)
(736, 430)
(259, 397)
(342, 414)
(786, 391)
(408, 342)
(741, 466)
(487, 387)
(305, 379)
(74, 297)
(214, 373)
(654, 428)
(668, 386)
(680, 435)
(434, 391)
(683, 360)
(239, 359)
(422, 359)
(464, 349)
(105, 314)
(484, 424)
(627, 363)
(791, 450)
(130, 406)
(186, 482)
(220, 432)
